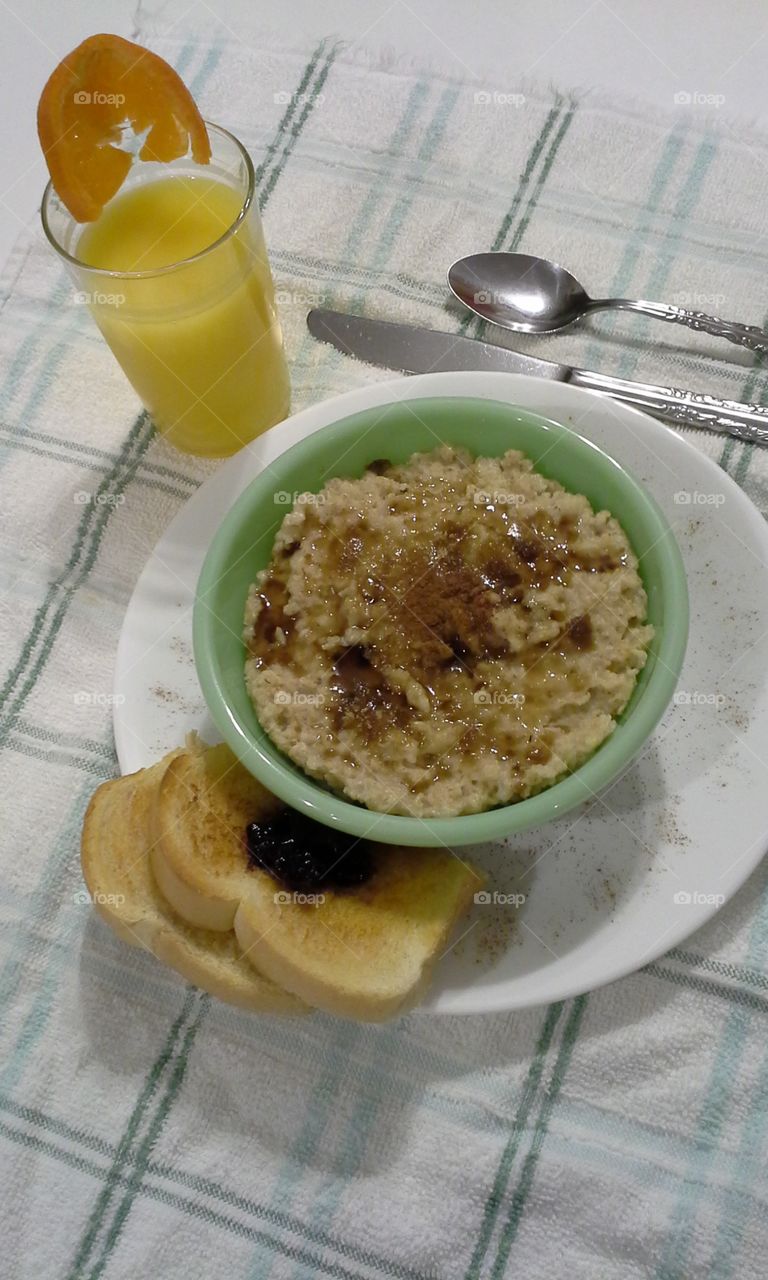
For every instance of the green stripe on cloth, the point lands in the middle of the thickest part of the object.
(354, 245)
(262, 169)
(185, 57)
(524, 179)
(621, 283)
(62, 737)
(433, 137)
(727, 454)
(52, 1126)
(193, 1210)
(528, 171)
(47, 890)
(30, 345)
(733, 995)
(527, 1173)
(166, 1062)
(658, 1146)
(36, 651)
(271, 178)
(355, 236)
(152, 1134)
(94, 768)
(266, 180)
(739, 972)
(320, 1105)
(736, 1207)
(22, 444)
(28, 945)
(522, 226)
(685, 206)
(717, 1101)
(36, 648)
(524, 1107)
(91, 455)
(206, 69)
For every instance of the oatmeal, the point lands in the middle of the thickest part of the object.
(446, 635)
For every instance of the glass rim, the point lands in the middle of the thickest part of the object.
(50, 192)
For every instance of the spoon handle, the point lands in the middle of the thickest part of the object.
(684, 408)
(744, 335)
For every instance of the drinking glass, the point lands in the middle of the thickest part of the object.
(199, 339)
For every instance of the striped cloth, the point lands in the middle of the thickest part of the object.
(148, 1131)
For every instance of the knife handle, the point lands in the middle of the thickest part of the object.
(686, 408)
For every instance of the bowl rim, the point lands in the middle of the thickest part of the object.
(309, 795)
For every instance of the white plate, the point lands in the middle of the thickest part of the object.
(615, 884)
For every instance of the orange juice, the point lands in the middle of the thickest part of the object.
(198, 336)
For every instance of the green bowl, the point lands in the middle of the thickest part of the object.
(243, 545)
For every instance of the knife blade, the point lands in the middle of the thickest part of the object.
(411, 349)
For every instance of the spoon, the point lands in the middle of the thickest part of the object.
(532, 295)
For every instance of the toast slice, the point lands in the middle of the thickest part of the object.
(363, 953)
(204, 802)
(367, 953)
(116, 869)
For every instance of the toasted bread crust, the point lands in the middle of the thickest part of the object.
(116, 869)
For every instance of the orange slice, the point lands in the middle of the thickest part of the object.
(102, 86)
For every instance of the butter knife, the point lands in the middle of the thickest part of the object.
(414, 350)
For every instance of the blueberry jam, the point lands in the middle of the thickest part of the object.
(305, 856)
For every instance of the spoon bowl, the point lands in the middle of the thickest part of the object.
(517, 291)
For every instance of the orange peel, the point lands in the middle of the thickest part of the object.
(105, 85)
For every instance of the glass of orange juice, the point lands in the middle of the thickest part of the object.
(176, 275)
